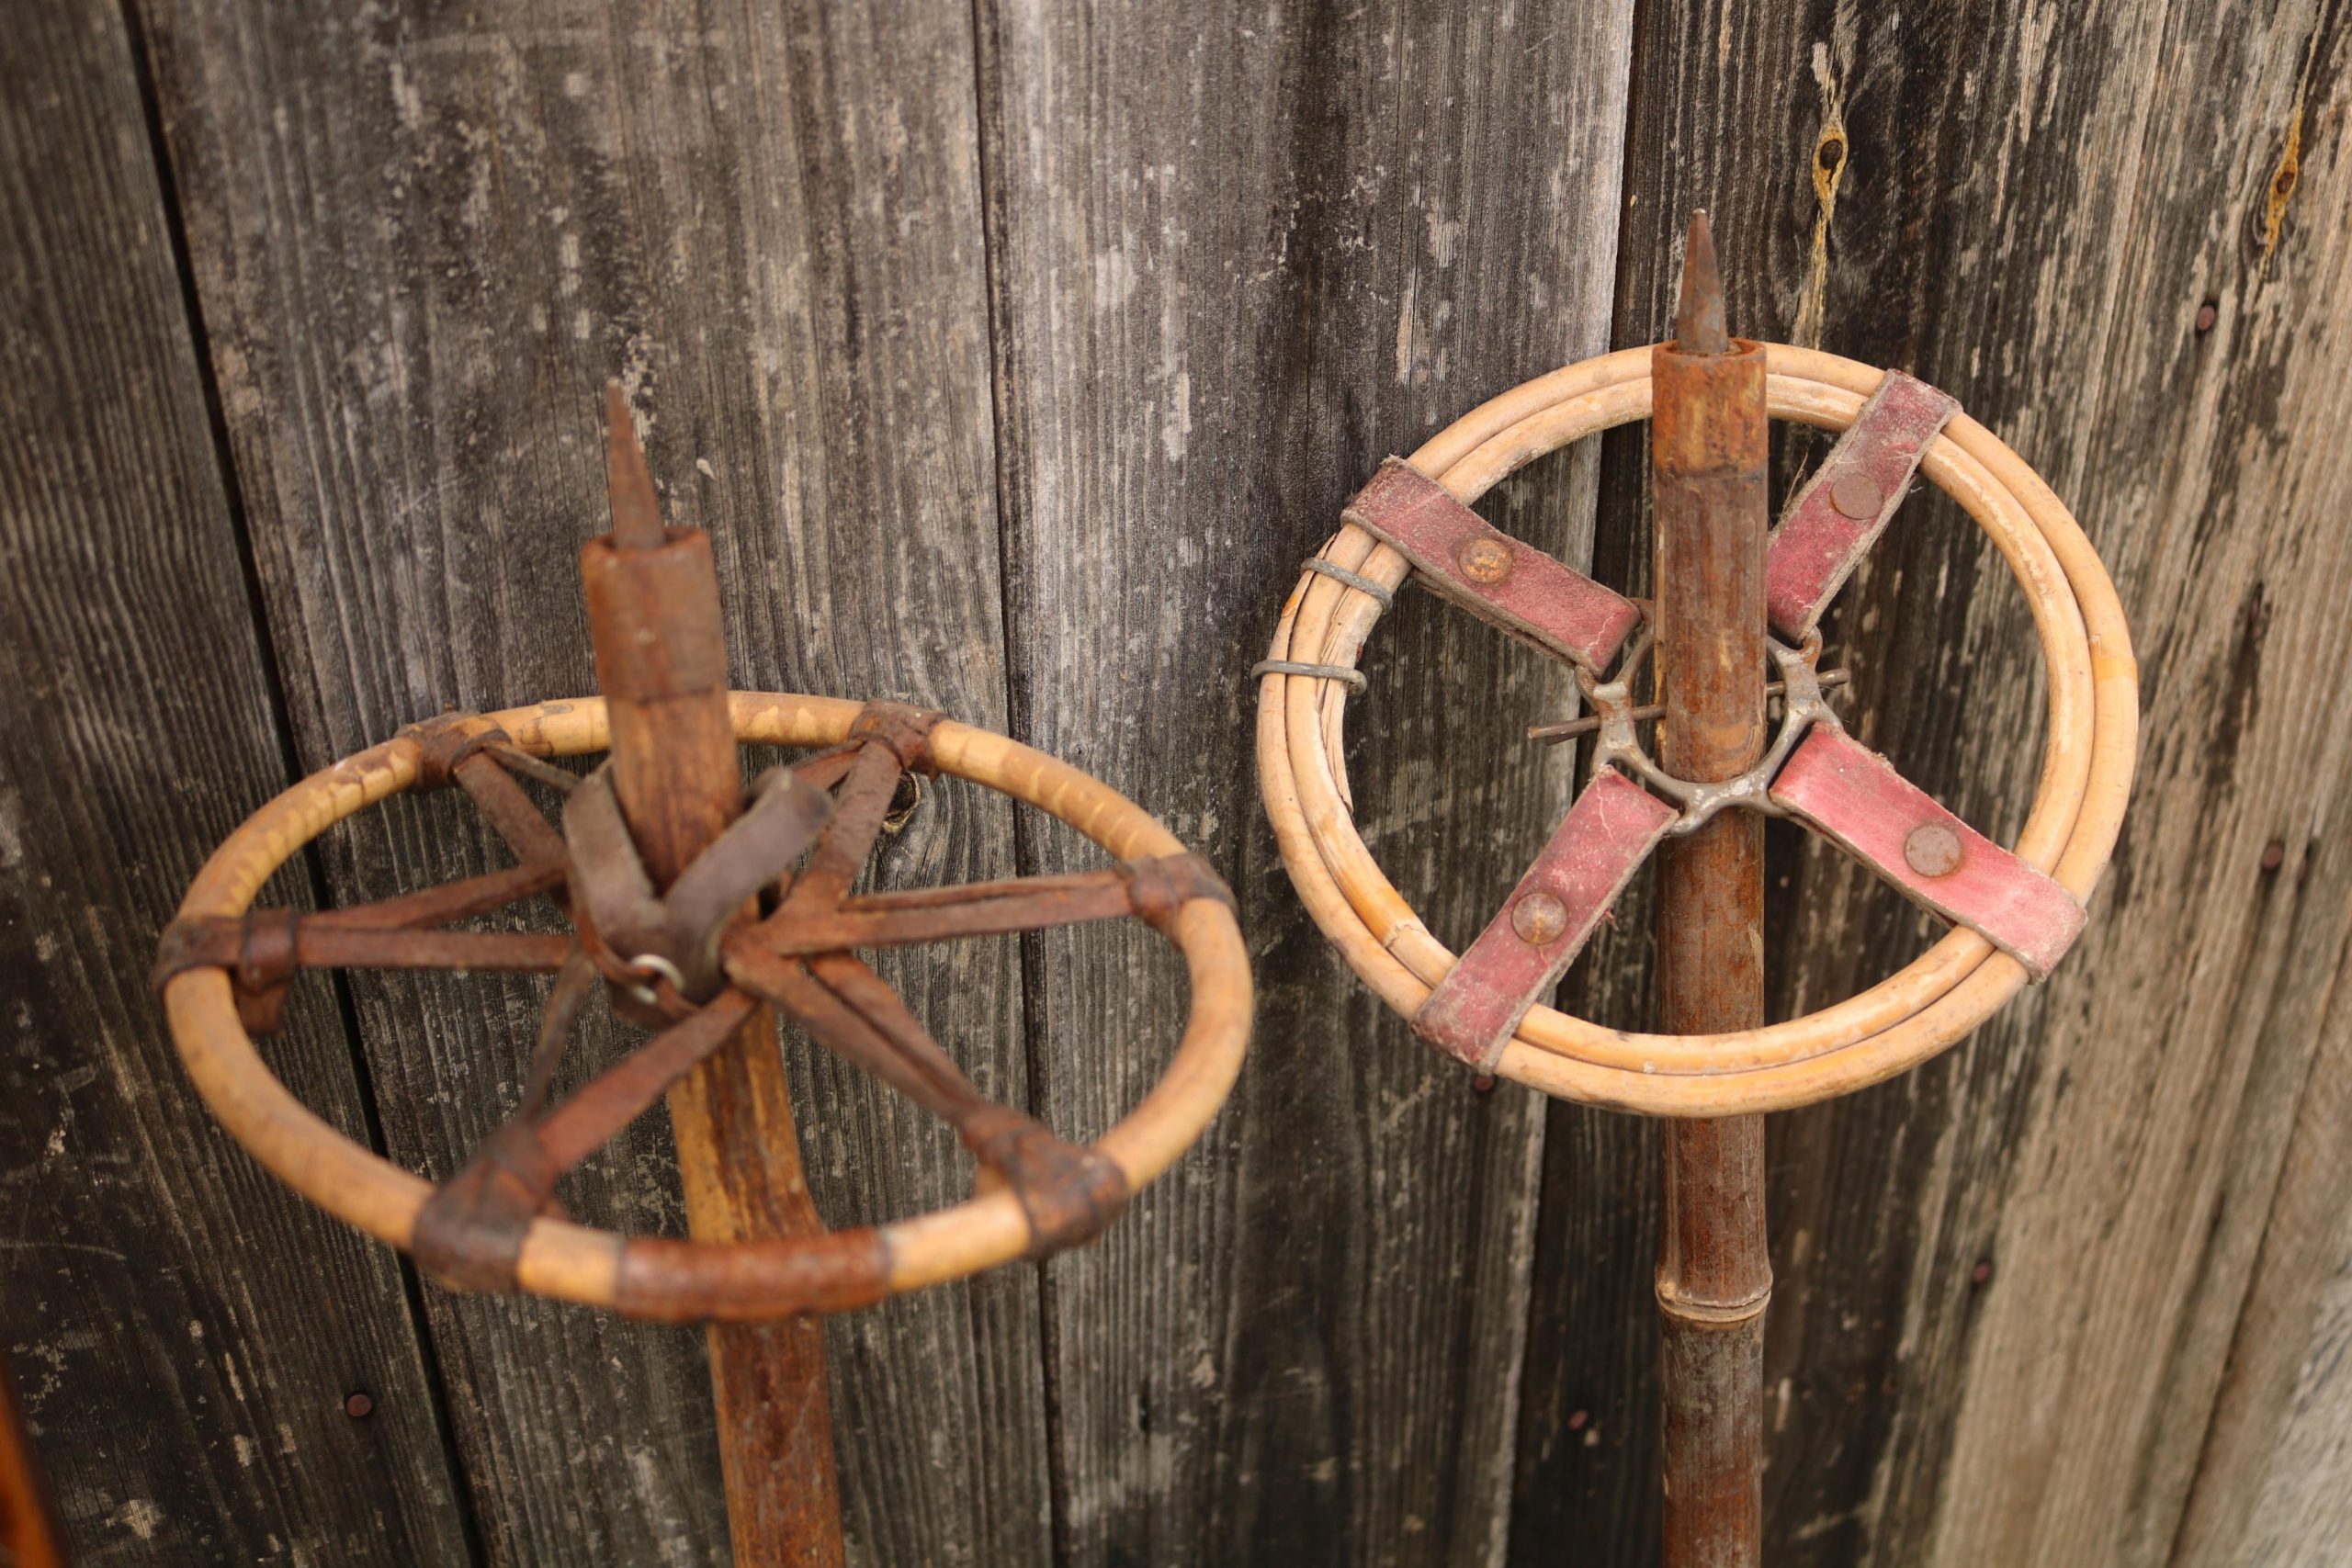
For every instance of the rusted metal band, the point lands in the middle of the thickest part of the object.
(1158, 888)
(1547, 920)
(1843, 509)
(906, 729)
(1378, 591)
(671, 1280)
(1351, 678)
(470, 1233)
(1067, 1192)
(1507, 584)
(1853, 797)
(447, 740)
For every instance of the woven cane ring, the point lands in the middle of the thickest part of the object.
(690, 1279)
(1904, 1019)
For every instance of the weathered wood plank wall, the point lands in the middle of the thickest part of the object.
(184, 1331)
(1014, 358)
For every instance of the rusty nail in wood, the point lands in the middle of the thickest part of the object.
(1483, 561)
(2274, 855)
(2206, 314)
(1932, 850)
(1577, 1419)
(1482, 1083)
(1539, 918)
(357, 1406)
(1982, 1273)
(1857, 495)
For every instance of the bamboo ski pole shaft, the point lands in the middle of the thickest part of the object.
(1708, 457)
(653, 613)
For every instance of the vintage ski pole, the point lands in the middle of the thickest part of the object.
(1708, 457)
(653, 615)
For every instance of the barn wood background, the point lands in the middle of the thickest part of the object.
(1014, 358)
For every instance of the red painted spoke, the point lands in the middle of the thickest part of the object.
(1506, 583)
(1547, 920)
(1838, 515)
(1854, 797)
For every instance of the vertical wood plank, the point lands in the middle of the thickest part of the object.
(184, 1331)
(2008, 1281)
(427, 233)
(1239, 255)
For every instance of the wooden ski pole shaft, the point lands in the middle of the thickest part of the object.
(653, 614)
(1708, 457)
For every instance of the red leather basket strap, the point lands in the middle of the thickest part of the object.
(1852, 796)
(1840, 513)
(1508, 584)
(1546, 921)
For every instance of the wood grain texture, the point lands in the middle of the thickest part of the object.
(423, 236)
(1239, 256)
(183, 1330)
(1096, 319)
(2028, 210)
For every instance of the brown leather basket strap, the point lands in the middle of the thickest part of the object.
(450, 901)
(263, 950)
(862, 800)
(523, 766)
(470, 1233)
(609, 881)
(1507, 584)
(1840, 513)
(869, 1026)
(504, 804)
(574, 984)
(591, 1115)
(1854, 797)
(1547, 920)
(935, 914)
(1067, 1193)
(669, 1280)
(786, 813)
(828, 767)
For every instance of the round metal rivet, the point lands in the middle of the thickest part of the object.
(1857, 495)
(1539, 918)
(1484, 560)
(1932, 850)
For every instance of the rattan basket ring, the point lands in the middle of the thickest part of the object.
(2093, 697)
(575, 1262)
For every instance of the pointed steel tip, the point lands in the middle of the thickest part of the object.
(636, 511)
(1699, 319)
